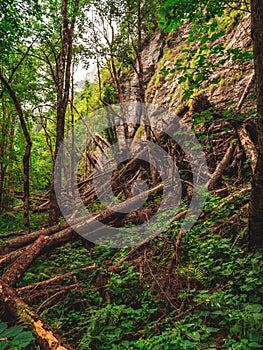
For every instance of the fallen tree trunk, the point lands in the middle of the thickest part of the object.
(47, 338)
(9, 258)
(17, 269)
(24, 240)
(62, 233)
(53, 241)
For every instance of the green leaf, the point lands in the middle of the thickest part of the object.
(255, 345)
(23, 339)
(3, 344)
(256, 308)
(3, 326)
(11, 332)
(195, 336)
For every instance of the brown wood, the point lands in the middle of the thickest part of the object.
(27, 153)
(221, 167)
(9, 258)
(24, 240)
(47, 338)
(17, 269)
(51, 281)
(53, 241)
(62, 80)
(255, 231)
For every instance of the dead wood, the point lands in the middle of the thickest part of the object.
(14, 233)
(20, 265)
(247, 144)
(57, 280)
(50, 293)
(221, 167)
(47, 338)
(116, 213)
(53, 241)
(177, 217)
(56, 296)
(18, 242)
(11, 257)
(246, 91)
(243, 135)
(60, 234)
(41, 208)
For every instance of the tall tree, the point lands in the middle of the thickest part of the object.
(16, 22)
(26, 157)
(69, 13)
(255, 230)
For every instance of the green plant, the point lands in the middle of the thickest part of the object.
(14, 337)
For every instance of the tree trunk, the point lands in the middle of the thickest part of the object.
(18, 242)
(26, 157)
(255, 230)
(47, 338)
(63, 74)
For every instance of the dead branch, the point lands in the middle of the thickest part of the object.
(14, 233)
(51, 281)
(221, 167)
(135, 249)
(244, 138)
(35, 296)
(248, 146)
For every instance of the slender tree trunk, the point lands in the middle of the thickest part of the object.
(63, 74)
(255, 230)
(26, 157)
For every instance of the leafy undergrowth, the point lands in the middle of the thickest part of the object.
(210, 298)
(14, 221)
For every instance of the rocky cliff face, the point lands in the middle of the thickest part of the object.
(219, 97)
(151, 56)
(232, 76)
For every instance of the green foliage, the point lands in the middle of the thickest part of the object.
(15, 20)
(175, 12)
(217, 287)
(13, 221)
(14, 337)
(205, 52)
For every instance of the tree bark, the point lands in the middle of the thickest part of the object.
(22, 241)
(54, 241)
(27, 153)
(47, 338)
(255, 229)
(63, 75)
(17, 269)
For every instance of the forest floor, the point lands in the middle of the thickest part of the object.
(201, 290)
